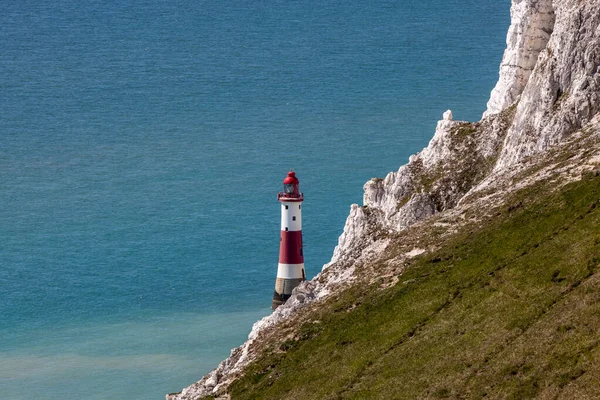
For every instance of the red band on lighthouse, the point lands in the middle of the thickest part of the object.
(290, 270)
(290, 248)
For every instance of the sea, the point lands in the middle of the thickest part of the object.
(142, 146)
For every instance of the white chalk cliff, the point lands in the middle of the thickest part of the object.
(532, 23)
(562, 93)
(547, 94)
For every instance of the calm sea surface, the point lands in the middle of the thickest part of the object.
(142, 144)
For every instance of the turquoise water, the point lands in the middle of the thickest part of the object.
(141, 148)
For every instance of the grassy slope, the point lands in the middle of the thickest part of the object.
(507, 310)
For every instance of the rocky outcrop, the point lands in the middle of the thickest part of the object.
(459, 156)
(548, 89)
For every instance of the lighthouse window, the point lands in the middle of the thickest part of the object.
(293, 218)
(288, 188)
(286, 229)
(286, 207)
(299, 206)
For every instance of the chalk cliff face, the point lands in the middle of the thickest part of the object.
(563, 90)
(532, 23)
(548, 93)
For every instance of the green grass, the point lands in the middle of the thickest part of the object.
(508, 310)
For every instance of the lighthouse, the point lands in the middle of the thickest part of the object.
(290, 271)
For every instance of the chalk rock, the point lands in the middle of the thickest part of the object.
(532, 22)
(433, 180)
(563, 92)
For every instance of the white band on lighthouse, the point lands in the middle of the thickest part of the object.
(291, 216)
(290, 271)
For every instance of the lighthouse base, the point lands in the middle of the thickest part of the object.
(279, 299)
(283, 290)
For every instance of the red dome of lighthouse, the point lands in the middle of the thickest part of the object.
(290, 179)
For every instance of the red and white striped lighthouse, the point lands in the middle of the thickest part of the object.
(290, 271)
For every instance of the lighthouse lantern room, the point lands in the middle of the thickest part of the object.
(290, 270)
